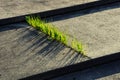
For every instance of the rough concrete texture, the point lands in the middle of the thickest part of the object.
(110, 71)
(98, 29)
(24, 51)
(10, 8)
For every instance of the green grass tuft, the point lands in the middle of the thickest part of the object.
(54, 33)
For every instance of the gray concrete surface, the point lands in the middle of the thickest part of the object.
(98, 29)
(10, 8)
(24, 51)
(110, 71)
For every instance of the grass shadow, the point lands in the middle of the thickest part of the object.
(37, 44)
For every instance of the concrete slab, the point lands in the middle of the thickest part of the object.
(98, 29)
(109, 71)
(10, 8)
(25, 52)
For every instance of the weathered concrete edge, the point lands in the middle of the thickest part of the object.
(75, 67)
(55, 12)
